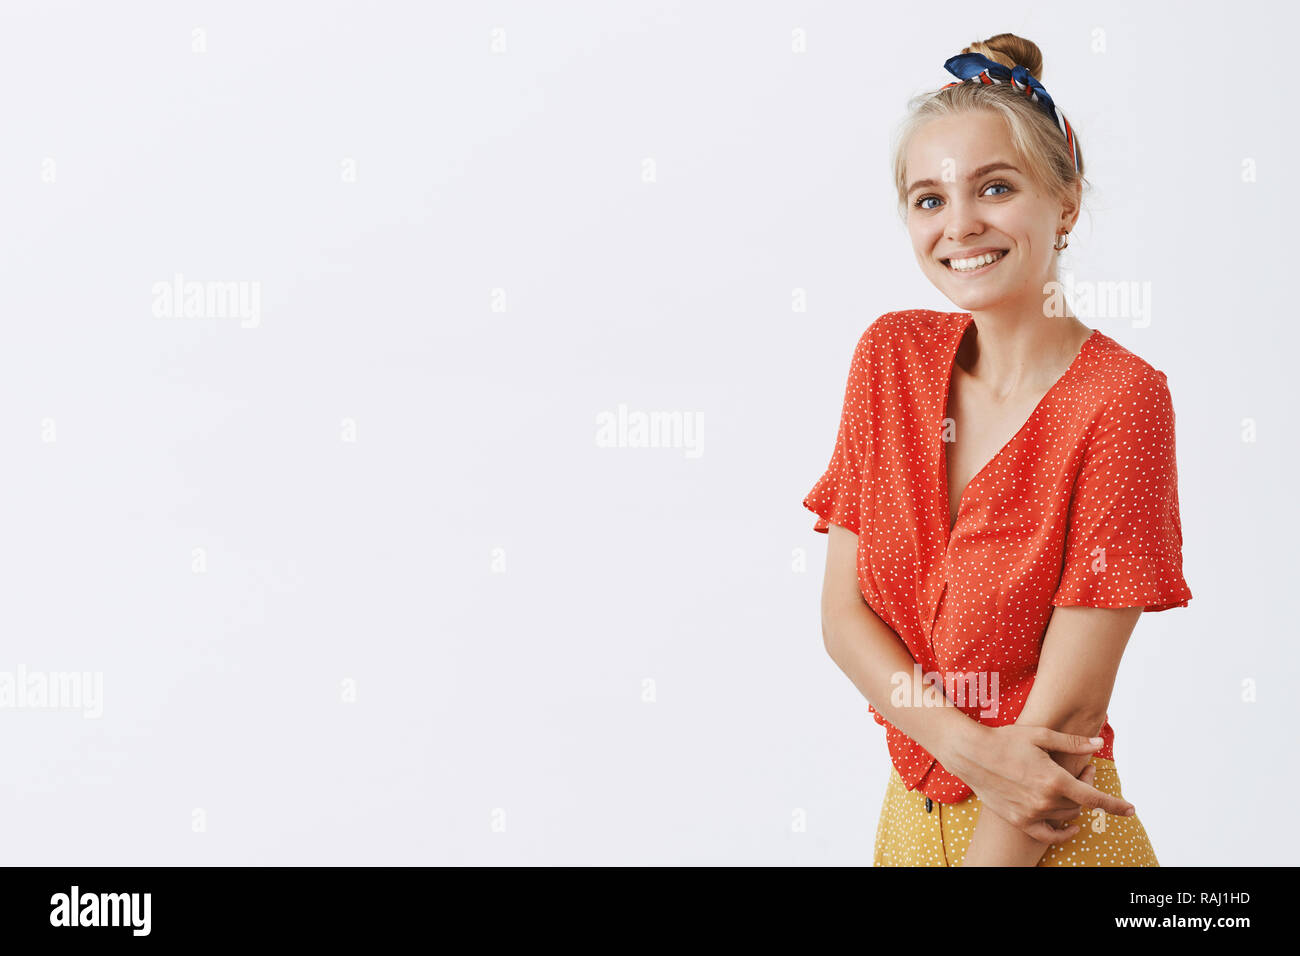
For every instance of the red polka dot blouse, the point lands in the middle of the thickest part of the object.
(1079, 507)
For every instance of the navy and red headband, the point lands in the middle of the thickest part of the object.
(977, 68)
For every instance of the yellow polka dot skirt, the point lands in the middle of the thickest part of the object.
(909, 834)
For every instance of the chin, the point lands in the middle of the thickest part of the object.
(972, 302)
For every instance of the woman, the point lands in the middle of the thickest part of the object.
(1002, 501)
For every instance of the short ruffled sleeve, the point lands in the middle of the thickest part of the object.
(1124, 540)
(836, 498)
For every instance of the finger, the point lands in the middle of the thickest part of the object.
(1063, 803)
(1088, 775)
(1064, 814)
(1045, 834)
(1049, 739)
(1089, 796)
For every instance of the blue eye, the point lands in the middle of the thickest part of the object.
(919, 202)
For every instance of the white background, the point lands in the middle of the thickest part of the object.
(485, 696)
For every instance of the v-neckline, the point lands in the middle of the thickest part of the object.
(950, 522)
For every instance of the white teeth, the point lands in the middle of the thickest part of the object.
(966, 265)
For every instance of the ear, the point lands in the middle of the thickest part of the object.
(1071, 208)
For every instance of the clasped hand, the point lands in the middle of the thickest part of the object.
(1012, 772)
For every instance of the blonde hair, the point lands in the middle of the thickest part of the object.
(1036, 137)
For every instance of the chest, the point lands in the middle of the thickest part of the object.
(976, 429)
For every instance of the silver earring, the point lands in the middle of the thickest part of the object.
(1058, 245)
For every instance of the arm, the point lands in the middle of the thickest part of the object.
(1011, 767)
(1071, 692)
(870, 654)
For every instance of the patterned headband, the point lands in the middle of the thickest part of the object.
(977, 68)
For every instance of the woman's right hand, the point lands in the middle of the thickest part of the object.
(1012, 772)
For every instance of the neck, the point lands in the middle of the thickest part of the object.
(1016, 346)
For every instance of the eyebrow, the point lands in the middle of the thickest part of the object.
(975, 175)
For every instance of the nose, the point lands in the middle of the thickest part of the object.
(961, 219)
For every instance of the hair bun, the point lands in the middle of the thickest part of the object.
(1011, 51)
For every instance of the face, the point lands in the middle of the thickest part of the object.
(971, 197)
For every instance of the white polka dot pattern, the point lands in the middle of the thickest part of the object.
(1079, 507)
(909, 834)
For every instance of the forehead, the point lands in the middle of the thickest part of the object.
(968, 140)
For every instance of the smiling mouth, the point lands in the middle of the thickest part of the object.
(975, 263)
